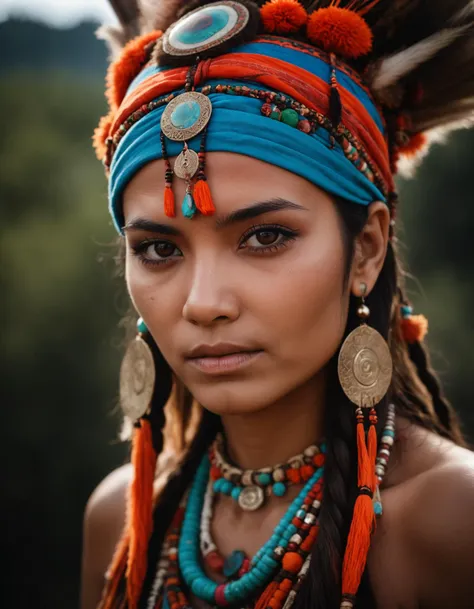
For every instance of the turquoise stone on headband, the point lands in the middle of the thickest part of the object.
(185, 114)
(203, 26)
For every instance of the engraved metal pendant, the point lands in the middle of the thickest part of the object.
(365, 367)
(251, 498)
(186, 116)
(137, 379)
(205, 28)
(186, 164)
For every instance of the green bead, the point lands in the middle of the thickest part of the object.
(264, 479)
(141, 326)
(290, 117)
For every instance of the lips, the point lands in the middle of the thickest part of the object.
(219, 350)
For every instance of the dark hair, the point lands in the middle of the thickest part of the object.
(415, 391)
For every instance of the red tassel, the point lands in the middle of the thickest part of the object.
(363, 519)
(266, 595)
(141, 510)
(202, 198)
(170, 209)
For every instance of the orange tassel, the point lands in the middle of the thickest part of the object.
(203, 199)
(266, 595)
(101, 133)
(115, 573)
(414, 328)
(363, 519)
(141, 510)
(170, 209)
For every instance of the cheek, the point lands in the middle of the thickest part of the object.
(304, 304)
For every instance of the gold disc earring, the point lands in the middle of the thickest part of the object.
(365, 364)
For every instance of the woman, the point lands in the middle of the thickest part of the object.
(309, 458)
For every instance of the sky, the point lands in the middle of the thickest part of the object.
(60, 13)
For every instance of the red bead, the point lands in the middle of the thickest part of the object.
(214, 561)
(220, 597)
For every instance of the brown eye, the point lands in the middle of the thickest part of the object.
(164, 249)
(267, 237)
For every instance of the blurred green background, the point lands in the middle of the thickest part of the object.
(62, 301)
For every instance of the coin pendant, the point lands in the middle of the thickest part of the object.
(137, 379)
(365, 367)
(251, 498)
(185, 116)
(186, 164)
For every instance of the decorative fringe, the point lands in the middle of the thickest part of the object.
(101, 133)
(170, 209)
(127, 65)
(115, 573)
(202, 197)
(335, 104)
(141, 510)
(414, 328)
(266, 595)
(363, 519)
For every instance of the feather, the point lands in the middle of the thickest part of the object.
(159, 14)
(116, 37)
(392, 69)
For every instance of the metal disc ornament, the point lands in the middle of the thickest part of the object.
(251, 498)
(186, 164)
(205, 28)
(137, 379)
(186, 116)
(365, 367)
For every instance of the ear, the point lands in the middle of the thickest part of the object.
(370, 249)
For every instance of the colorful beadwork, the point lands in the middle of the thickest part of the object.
(249, 487)
(274, 104)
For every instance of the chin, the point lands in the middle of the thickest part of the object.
(235, 397)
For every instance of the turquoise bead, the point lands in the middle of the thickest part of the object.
(389, 432)
(141, 326)
(378, 508)
(188, 207)
(226, 487)
(233, 563)
(279, 489)
(406, 311)
(235, 494)
(203, 26)
(264, 479)
(185, 114)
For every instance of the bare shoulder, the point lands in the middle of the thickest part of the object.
(104, 521)
(440, 530)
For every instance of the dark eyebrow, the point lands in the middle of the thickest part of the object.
(258, 209)
(246, 213)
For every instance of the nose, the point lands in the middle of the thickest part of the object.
(211, 298)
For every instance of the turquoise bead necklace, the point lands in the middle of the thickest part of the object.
(263, 564)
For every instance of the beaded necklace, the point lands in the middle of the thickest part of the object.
(274, 574)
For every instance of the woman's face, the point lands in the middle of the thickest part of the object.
(262, 277)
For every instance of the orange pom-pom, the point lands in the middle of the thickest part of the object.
(101, 133)
(127, 65)
(292, 562)
(283, 16)
(340, 31)
(414, 328)
(414, 145)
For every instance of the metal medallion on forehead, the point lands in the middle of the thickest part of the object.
(251, 498)
(137, 379)
(186, 116)
(365, 367)
(186, 164)
(205, 28)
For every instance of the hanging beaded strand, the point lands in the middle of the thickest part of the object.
(169, 202)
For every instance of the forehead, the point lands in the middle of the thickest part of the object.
(235, 181)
